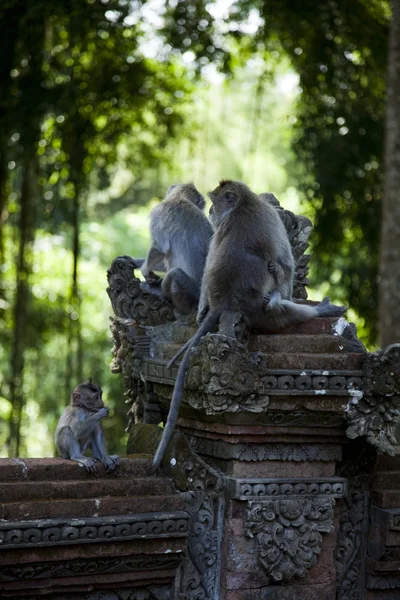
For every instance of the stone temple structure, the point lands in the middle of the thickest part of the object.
(281, 481)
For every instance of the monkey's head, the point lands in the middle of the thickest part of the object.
(225, 198)
(88, 396)
(187, 191)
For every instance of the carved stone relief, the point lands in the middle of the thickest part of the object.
(287, 518)
(73, 568)
(151, 592)
(204, 501)
(374, 411)
(92, 529)
(288, 533)
(134, 299)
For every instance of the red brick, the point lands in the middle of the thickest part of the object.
(14, 511)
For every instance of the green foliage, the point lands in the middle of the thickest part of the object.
(107, 103)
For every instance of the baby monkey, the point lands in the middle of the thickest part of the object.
(79, 428)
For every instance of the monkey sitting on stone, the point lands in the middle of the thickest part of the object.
(237, 277)
(180, 233)
(80, 428)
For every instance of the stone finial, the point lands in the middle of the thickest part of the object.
(374, 411)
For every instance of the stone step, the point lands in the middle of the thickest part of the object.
(325, 362)
(98, 488)
(388, 463)
(52, 469)
(284, 360)
(387, 480)
(16, 511)
(291, 344)
(386, 498)
(320, 326)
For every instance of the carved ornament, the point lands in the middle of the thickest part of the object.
(89, 566)
(134, 299)
(287, 518)
(203, 489)
(374, 411)
(289, 533)
(91, 530)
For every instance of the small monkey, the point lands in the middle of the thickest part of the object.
(237, 277)
(80, 428)
(180, 234)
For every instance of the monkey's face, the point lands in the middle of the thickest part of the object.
(88, 396)
(224, 199)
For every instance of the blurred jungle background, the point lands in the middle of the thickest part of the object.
(105, 103)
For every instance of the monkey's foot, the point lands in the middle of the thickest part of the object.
(326, 309)
(88, 463)
(111, 462)
(270, 300)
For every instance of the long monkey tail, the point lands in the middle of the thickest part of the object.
(207, 325)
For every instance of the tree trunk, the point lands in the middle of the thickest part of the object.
(21, 302)
(389, 287)
(73, 376)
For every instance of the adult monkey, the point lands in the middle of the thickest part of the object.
(80, 428)
(237, 277)
(180, 234)
(281, 262)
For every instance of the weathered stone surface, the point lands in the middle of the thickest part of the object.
(374, 412)
(51, 469)
(297, 344)
(40, 490)
(291, 592)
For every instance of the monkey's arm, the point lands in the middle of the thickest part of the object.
(154, 262)
(99, 451)
(85, 427)
(69, 447)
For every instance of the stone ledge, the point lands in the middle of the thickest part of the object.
(51, 469)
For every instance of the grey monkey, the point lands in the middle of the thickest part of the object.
(79, 428)
(180, 234)
(237, 277)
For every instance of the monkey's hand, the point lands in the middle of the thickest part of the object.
(153, 279)
(103, 412)
(111, 462)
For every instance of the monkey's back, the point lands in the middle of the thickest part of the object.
(183, 234)
(237, 267)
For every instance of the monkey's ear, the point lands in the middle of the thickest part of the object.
(171, 187)
(231, 197)
(76, 396)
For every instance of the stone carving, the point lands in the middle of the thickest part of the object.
(151, 592)
(204, 501)
(225, 376)
(374, 411)
(246, 488)
(260, 452)
(351, 547)
(133, 299)
(72, 568)
(289, 533)
(298, 229)
(92, 530)
(349, 559)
